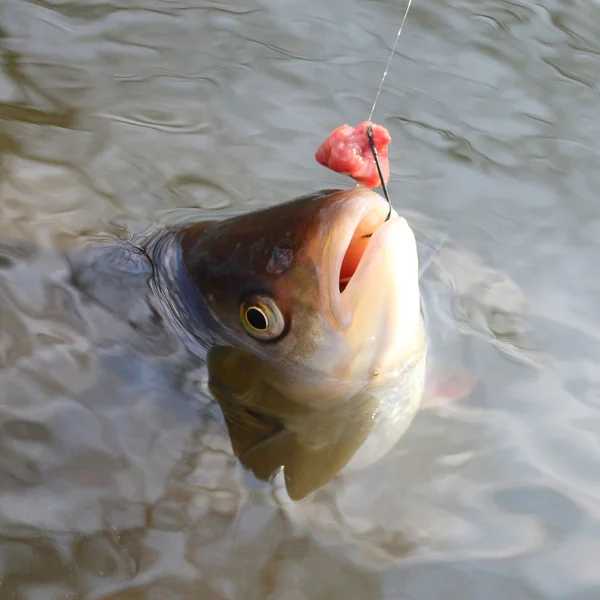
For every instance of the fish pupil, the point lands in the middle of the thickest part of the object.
(257, 318)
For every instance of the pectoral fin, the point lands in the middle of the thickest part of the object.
(445, 385)
(308, 463)
(268, 431)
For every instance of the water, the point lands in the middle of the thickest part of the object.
(114, 115)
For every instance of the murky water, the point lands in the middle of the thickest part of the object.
(114, 484)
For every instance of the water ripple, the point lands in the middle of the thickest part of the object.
(116, 479)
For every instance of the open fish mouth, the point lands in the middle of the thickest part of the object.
(373, 278)
(359, 241)
(370, 220)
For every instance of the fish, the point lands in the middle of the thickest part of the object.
(313, 332)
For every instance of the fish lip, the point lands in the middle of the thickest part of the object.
(354, 206)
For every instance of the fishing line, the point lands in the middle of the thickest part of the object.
(369, 129)
(389, 60)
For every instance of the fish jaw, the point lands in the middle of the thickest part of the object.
(375, 298)
(383, 297)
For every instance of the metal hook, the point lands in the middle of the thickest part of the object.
(375, 156)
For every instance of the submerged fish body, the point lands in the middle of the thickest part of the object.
(306, 316)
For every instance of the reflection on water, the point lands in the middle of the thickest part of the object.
(113, 483)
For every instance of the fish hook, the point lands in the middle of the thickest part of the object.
(376, 157)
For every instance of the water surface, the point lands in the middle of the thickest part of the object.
(115, 115)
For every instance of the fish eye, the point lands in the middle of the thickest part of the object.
(262, 318)
(256, 318)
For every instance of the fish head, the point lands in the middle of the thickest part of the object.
(321, 294)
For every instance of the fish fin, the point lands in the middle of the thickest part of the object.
(268, 430)
(445, 386)
(308, 462)
(232, 386)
